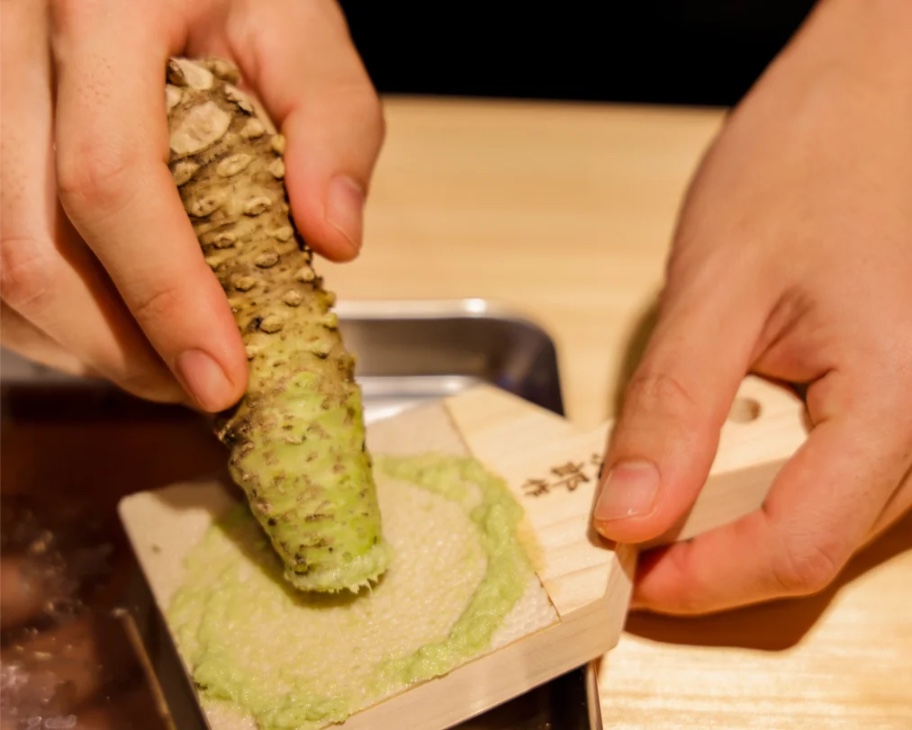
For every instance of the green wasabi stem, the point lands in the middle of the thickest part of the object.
(297, 436)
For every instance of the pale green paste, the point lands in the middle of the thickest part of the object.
(288, 659)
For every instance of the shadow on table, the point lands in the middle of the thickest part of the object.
(776, 625)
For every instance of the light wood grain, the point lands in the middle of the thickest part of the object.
(564, 212)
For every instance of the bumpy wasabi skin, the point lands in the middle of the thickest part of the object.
(297, 436)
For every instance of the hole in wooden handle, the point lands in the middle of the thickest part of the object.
(744, 410)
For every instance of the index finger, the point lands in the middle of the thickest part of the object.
(320, 94)
(112, 150)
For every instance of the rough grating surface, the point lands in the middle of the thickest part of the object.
(458, 587)
(297, 436)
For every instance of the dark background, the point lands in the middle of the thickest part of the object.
(704, 52)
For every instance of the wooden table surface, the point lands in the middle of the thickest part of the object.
(563, 213)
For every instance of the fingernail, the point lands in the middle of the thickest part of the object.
(204, 379)
(345, 209)
(629, 490)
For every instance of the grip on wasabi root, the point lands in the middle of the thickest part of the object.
(297, 437)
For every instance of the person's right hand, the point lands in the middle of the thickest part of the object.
(100, 271)
(791, 260)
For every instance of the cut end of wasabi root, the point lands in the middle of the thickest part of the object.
(297, 437)
(362, 572)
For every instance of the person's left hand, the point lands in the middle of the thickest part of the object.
(793, 260)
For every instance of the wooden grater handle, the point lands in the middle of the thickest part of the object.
(766, 425)
(552, 467)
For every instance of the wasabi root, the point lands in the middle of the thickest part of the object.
(297, 437)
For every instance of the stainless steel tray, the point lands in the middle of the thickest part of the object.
(408, 352)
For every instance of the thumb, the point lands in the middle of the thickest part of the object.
(664, 441)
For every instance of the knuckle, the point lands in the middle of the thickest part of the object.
(67, 19)
(67, 14)
(804, 568)
(326, 14)
(691, 598)
(656, 390)
(162, 303)
(25, 274)
(355, 99)
(64, 12)
(366, 106)
(92, 174)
